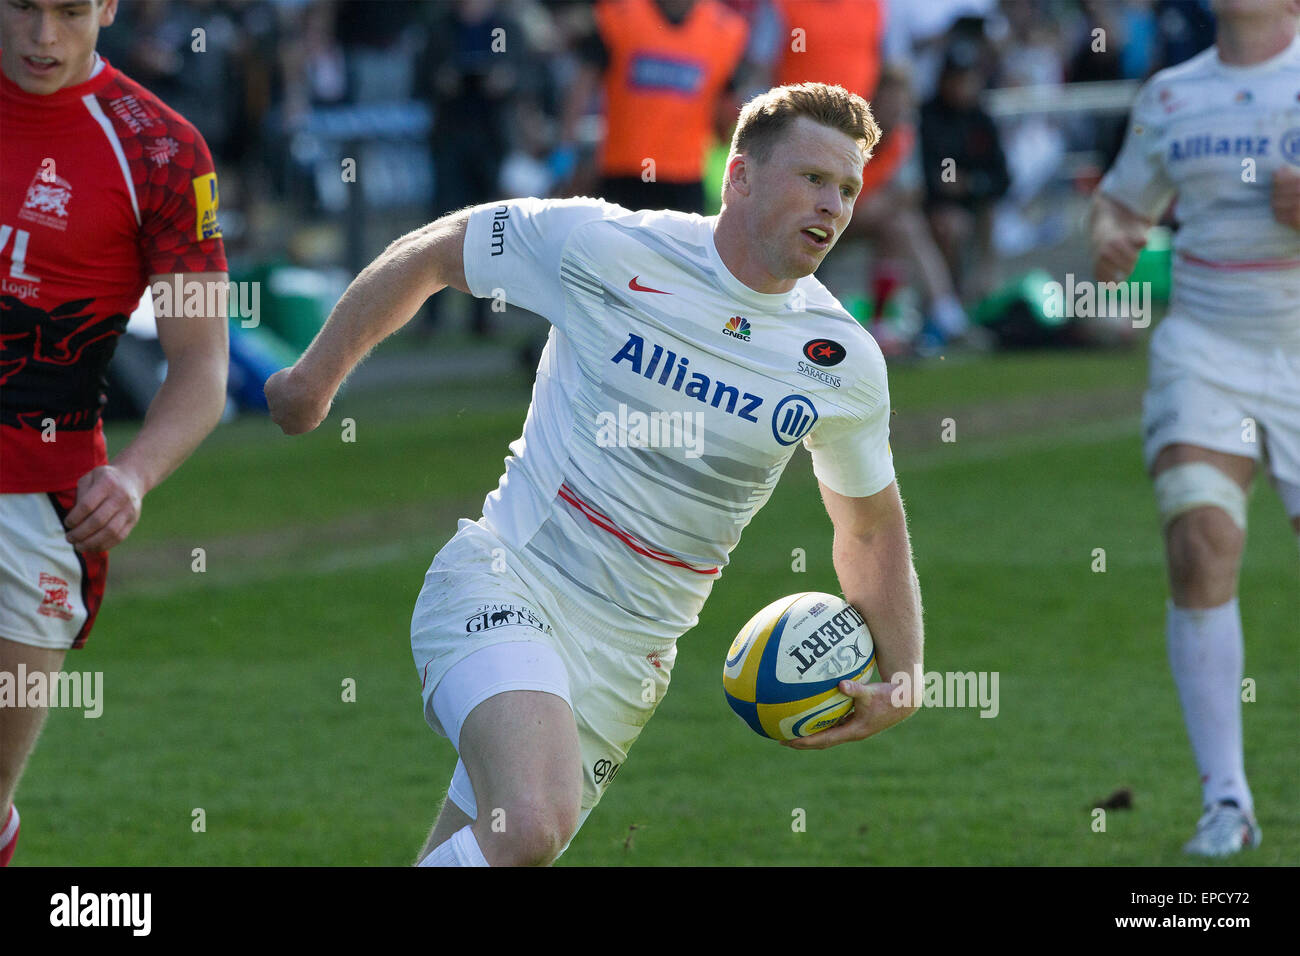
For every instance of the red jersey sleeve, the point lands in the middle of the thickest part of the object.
(177, 187)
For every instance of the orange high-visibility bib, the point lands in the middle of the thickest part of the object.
(662, 85)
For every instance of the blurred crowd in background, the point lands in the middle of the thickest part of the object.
(443, 103)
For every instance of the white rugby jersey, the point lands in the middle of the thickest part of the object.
(611, 494)
(1192, 130)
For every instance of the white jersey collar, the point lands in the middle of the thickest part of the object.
(1264, 66)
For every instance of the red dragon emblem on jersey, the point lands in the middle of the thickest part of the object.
(30, 338)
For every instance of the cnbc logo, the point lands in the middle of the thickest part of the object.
(737, 328)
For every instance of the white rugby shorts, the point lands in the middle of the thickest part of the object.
(49, 591)
(1210, 390)
(475, 599)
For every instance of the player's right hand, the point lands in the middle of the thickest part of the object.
(1117, 253)
(107, 508)
(292, 405)
(874, 710)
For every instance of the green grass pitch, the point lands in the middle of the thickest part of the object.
(223, 689)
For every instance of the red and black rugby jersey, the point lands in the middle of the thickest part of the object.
(102, 186)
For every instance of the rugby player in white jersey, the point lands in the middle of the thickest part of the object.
(546, 631)
(1221, 133)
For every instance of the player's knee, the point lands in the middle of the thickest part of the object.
(1190, 486)
(1205, 547)
(535, 832)
(1203, 511)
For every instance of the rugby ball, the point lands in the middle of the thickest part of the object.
(782, 671)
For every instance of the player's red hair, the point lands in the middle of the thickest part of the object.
(765, 118)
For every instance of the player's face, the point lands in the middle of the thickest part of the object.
(808, 183)
(50, 44)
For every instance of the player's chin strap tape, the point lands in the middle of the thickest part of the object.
(1197, 485)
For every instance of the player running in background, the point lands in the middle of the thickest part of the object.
(102, 189)
(1220, 132)
(546, 631)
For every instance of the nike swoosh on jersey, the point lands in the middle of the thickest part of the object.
(638, 287)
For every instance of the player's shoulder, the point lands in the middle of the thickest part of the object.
(1158, 95)
(678, 236)
(539, 221)
(575, 208)
(1193, 68)
(812, 297)
(138, 112)
(823, 317)
(672, 222)
(591, 228)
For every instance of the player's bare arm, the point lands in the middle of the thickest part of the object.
(1284, 198)
(187, 407)
(379, 301)
(1118, 235)
(873, 560)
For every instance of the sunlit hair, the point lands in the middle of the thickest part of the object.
(766, 117)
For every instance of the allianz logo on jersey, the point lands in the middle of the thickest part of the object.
(1206, 144)
(500, 219)
(792, 418)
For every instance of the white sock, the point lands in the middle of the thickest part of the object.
(1207, 656)
(10, 827)
(461, 850)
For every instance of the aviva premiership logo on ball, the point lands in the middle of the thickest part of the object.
(783, 670)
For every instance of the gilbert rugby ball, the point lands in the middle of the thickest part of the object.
(782, 671)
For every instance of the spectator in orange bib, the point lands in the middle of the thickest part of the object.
(667, 69)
